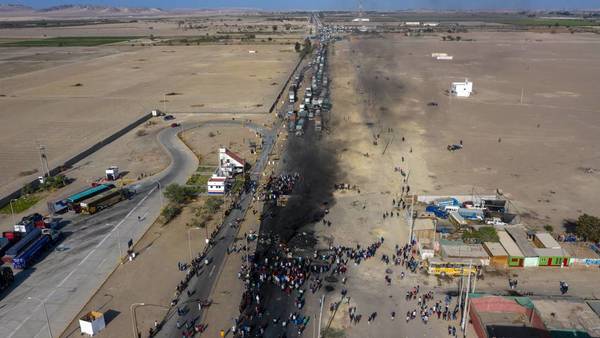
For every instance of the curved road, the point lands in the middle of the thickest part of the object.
(204, 283)
(66, 278)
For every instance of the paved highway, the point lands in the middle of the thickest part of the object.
(203, 284)
(67, 277)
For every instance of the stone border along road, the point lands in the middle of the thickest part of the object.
(64, 280)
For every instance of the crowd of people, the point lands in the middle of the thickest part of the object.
(292, 275)
(279, 185)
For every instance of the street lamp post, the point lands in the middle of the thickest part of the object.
(133, 321)
(190, 239)
(45, 313)
(12, 211)
(119, 243)
(162, 204)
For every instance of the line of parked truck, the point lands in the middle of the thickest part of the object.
(91, 200)
(30, 237)
(35, 233)
(316, 97)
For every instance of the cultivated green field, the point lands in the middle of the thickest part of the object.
(550, 22)
(74, 41)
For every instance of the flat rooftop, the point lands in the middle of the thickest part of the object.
(509, 245)
(519, 235)
(495, 249)
(567, 315)
(465, 250)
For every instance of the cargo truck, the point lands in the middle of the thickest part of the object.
(104, 200)
(21, 245)
(74, 200)
(31, 252)
(292, 96)
(318, 125)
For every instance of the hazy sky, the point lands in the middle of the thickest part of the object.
(330, 4)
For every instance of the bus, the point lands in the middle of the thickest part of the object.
(103, 200)
(453, 267)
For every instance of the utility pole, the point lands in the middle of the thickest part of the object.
(43, 160)
(464, 316)
(462, 273)
(12, 211)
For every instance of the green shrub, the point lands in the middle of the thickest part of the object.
(170, 212)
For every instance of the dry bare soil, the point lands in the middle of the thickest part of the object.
(69, 98)
(540, 151)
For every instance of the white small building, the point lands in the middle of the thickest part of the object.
(412, 23)
(361, 20)
(230, 162)
(217, 183)
(445, 57)
(461, 89)
(92, 323)
(431, 24)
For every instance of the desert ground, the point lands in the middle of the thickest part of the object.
(137, 154)
(540, 152)
(380, 89)
(171, 26)
(72, 101)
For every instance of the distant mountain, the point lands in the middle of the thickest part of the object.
(97, 8)
(7, 8)
(73, 9)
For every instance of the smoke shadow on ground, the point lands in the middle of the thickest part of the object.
(315, 160)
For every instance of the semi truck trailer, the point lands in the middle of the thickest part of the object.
(31, 252)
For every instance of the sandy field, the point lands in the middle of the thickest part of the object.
(73, 102)
(206, 139)
(200, 25)
(380, 90)
(540, 152)
(135, 154)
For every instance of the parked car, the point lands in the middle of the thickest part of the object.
(175, 125)
(168, 117)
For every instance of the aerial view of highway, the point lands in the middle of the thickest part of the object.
(269, 169)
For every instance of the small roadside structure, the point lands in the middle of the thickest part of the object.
(518, 234)
(461, 89)
(424, 229)
(498, 256)
(217, 183)
(459, 250)
(230, 162)
(552, 257)
(92, 323)
(515, 256)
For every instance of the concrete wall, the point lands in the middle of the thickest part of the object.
(284, 87)
(78, 157)
(461, 198)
